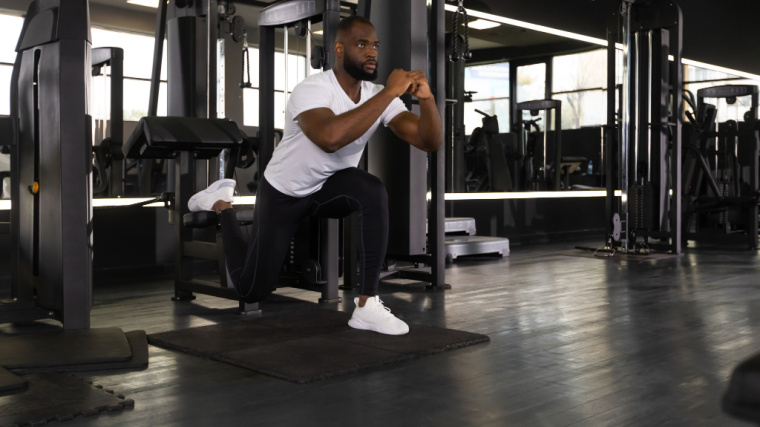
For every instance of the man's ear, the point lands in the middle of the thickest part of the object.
(338, 50)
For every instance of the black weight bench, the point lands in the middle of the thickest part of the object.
(186, 139)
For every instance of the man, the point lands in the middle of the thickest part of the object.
(329, 119)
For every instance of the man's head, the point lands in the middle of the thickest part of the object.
(356, 47)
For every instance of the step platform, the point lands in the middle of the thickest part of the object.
(461, 240)
(459, 225)
(457, 246)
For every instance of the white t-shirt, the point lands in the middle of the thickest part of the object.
(299, 167)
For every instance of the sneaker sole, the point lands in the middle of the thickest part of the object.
(358, 324)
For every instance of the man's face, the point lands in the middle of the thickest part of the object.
(360, 52)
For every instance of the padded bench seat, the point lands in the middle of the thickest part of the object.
(208, 218)
(163, 137)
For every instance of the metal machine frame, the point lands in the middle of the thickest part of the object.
(547, 105)
(642, 141)
(51, 213)
(404, 170)
(721, 166)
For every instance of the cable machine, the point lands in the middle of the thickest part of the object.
(643, 136)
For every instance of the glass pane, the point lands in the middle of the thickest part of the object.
(693, 73)
(584, 108)
(279, 110)
(100, 97)
(296, 70)
(531, 82)
(138, 51)
(473, 119)
(5, 89)
(586, 70)
(10, 29)
(136, 95)
(251, 107)
(253, 55)
(487, 81)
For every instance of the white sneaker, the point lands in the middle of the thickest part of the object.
(374, 316)
(224, 189)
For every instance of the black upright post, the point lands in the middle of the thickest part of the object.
(437, 161)
(116, 184)
(402, 168)
(610, 129)
(52, 165)
(676, 82)
(266, 97)
(330, 228)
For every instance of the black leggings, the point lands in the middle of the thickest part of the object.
(254, 266)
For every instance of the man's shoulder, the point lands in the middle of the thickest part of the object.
(319, 78)
(316, 82)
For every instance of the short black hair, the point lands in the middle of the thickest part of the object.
(345, 24)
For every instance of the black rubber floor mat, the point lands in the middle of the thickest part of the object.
(138, 345)
(58, 397)
(309, 359)
(60, 348)
(311, 345)
(9, 381)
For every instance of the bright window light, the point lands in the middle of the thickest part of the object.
(146, 3)
(482, 24)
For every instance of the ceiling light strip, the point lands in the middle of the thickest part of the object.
(592, 40)
(146, 3)
(529, 195)
(528, 25)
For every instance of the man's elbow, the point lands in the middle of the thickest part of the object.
(431, 146)
(327, 144)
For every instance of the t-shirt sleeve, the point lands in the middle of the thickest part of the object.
(395, 108)
(308, 95)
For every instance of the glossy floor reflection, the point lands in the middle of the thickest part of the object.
(575, 341)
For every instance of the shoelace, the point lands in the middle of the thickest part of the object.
(388, 310)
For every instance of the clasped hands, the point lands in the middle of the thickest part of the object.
(401, 82)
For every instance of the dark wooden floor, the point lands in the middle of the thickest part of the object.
(575, 341)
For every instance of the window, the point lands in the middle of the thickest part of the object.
(138, 64)
(490, 87)
(10, 28)
(531, 82)
(531, 85)
(296, 73)
(580, 82)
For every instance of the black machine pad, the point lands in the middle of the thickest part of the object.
(9, 381)
(138, 345)
(311, 345)
(208, 218)
(58, 397)
(162, 137)
(60, 348)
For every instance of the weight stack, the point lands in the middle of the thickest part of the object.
(641, 206)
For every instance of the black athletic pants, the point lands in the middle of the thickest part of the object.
(254, 266)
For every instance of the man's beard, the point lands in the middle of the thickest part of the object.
(357, 71)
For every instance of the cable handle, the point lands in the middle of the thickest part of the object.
(455, 32)
(245, 64)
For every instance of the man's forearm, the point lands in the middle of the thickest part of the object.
(431, 129)
(341, 130)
